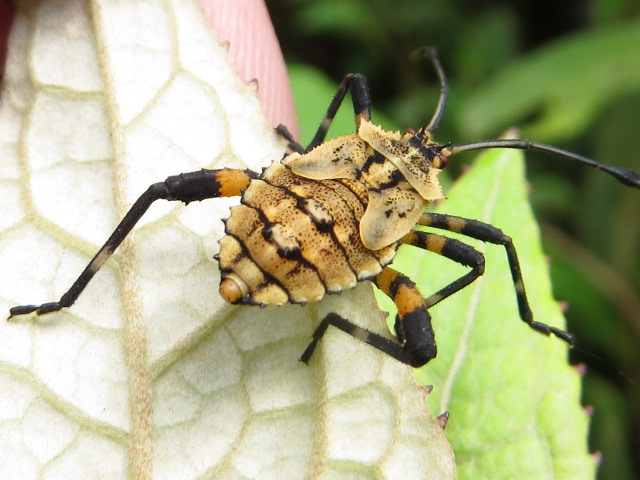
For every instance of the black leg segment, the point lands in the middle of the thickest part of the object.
(360, 97)
(413, 324)
(383, 344)
(453, 249)
(186, 187)
(488, 233)
(292, 145)
(354, 82)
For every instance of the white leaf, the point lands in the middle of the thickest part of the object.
(150, 374)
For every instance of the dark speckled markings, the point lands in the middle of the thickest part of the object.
(333, 214)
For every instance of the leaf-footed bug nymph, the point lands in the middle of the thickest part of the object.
(333, 214)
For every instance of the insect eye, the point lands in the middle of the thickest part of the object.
(410, 131)
(440, 161)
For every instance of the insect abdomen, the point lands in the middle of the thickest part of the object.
(295, 239)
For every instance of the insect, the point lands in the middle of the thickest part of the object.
(333, 214)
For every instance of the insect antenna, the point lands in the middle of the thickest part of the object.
(432, 54)
(624, 175)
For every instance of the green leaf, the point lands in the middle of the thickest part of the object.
(513, 399)
(562, 86)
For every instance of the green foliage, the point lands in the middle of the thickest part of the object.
(565, 85)
(567, 76)
(503, 384)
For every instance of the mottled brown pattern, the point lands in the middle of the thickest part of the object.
(302, 235)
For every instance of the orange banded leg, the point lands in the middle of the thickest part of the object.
(454, 250)
(488, 233)
(186, 187)
(413, 324)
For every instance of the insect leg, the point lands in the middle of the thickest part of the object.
(413, 324)
(293, 145)
(360, 97)
(488, 233)
(186, 187)
(454, 250)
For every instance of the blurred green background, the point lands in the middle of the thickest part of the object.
(566, 73)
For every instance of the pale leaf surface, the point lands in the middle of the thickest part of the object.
(150, 374)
